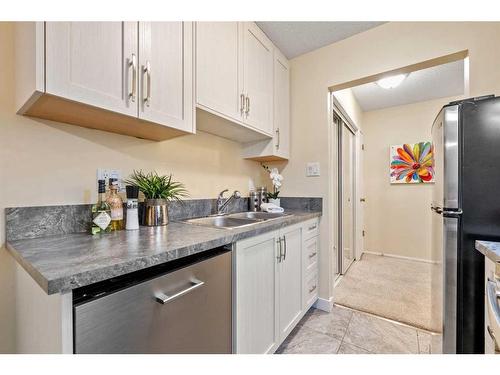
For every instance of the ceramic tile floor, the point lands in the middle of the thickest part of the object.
(345, 331)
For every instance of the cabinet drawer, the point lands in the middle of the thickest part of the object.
(311, 229)
(311, 253)
(311, 289)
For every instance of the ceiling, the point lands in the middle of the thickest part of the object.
(426, 84)
(297, 38)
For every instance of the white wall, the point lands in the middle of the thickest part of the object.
(397, 216)
(387, 47)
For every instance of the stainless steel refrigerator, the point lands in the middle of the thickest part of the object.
(466, 207)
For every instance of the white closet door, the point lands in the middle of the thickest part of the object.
(218, 72)
(90, 62)
(166, 74)
(258, 78)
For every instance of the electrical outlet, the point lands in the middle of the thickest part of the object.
(115, 173)
(312, 169)
(103, 174)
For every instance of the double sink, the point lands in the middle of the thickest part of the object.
(237, 220)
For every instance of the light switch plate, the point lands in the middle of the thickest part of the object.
(312, 169)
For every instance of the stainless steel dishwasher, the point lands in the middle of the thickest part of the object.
(183, 306)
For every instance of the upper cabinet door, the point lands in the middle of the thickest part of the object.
(258, 78)
(218, 72)
(166, 74)
(92, 63)
(281, 105)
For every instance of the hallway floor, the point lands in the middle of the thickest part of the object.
(345, 331)
(393, 288)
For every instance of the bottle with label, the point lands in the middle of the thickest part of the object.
(115, 203)
(132, 208)
(101, 212)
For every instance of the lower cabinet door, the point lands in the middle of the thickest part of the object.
(255, 296)
(290, 281)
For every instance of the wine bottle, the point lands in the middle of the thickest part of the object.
(101, 212)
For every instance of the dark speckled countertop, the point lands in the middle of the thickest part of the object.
(60, 263)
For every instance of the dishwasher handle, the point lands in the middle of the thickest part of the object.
(164, 299)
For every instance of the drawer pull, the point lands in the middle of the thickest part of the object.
(313, 255)
(164, 299)
(312, 289)
(313, 227)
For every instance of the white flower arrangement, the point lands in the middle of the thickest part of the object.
(277, 180)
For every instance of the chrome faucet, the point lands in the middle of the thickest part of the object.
(222, 203)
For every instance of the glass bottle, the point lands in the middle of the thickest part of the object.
(115, 202)
(101, 212)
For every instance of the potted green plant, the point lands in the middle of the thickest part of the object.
(277, 179)
(158, 191)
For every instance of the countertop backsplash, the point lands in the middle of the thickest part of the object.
(43, 221)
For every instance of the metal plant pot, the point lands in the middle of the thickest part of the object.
(155, 212)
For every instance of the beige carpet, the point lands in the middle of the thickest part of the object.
(393, 288)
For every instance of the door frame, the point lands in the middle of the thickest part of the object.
(336, 109)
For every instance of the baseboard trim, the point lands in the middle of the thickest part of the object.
(324, 304)
(399, 257)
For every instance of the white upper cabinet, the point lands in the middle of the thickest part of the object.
(129, 78)
(88, 62)
(218, 68)
(234, 80)
(279, 147)
(165, 74)
(281, 106)
(257, 78)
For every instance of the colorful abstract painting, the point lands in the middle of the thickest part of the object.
(412, 163)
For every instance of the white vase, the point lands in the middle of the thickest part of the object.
(275, 201)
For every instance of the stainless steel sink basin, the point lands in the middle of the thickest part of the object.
(237, 220)
(258, 215)
(222, 221)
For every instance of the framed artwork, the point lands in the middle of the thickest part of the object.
(412, 163)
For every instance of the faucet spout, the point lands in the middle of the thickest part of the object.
(221, 205)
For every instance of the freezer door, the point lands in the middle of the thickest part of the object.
(445, 139)
(451, 226)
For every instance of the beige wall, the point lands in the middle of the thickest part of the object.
(386, 47)
(397, 217)
(44, 163)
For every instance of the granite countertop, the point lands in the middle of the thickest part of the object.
(60, 263)
(489, 249)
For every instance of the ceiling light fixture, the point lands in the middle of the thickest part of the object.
(392, 81)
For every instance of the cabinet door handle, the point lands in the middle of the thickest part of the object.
(278, 136)
(242, 103)
(147, 72)
(164, 299)
(132, 66)
(279, 249)
(284, 255)
(312, 255)
(312, 227)
(312, 289)
(247, 101)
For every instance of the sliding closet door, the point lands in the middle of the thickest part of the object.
(348, 207)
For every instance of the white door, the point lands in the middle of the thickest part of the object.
(91, 63)
(166, 73)
(290, 279)
(218, 72)
(281, 105)
(258, 78)
(256, 295)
